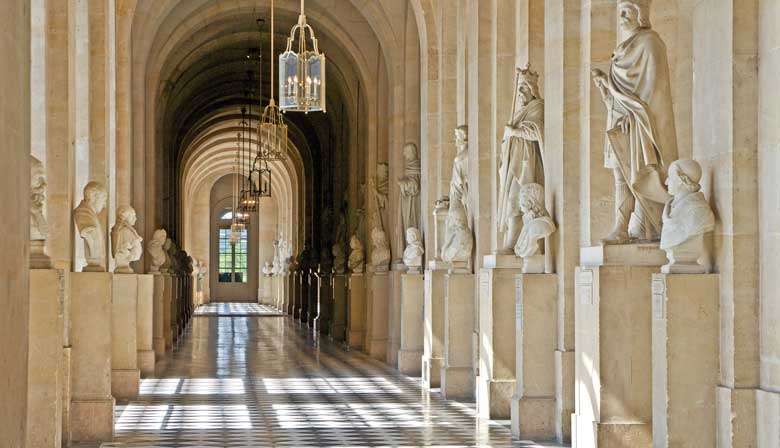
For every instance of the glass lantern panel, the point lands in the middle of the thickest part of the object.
(265, 182)
(314, 67)
(288, 80)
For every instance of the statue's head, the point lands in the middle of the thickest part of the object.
(382, 171)
(95, 195)
(462, 137)
(633, 14)
(167, 244)
(354, 243)
(684, 176)
(413, 235)
(378, 237)
(126, 214)
(528, 84)
(160, 235)
(410, 152)
(532, 199)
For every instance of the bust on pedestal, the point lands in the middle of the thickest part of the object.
(88, 225)
(413, 254)
(125, 241)
(537, 225)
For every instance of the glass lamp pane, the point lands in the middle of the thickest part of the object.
(315, 81)
(288, 80)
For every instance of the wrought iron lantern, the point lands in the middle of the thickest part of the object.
(302, 72)
(260, 178)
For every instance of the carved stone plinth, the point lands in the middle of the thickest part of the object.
(411, 317)
(686, 328)
(433, 328)
(394, 318)
(496, 381)
(457, 375)
(169, 295)
(533, 402)
(44, 360)
(613, 368)
(145, 324)
(338, 325)
(125, 376)
(356, 303)
(158, 316)
(325, 300)
(92, 406)
(377, 309)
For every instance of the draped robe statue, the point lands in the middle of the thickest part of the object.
(409, 200)
(641, 140)
(521, 156)
(458, 242)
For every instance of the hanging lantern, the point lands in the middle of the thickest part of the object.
(272, 131)
(260, 178)
(302, 73)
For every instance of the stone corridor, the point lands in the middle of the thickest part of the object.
(243, 376)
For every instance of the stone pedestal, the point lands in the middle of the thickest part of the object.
(533, 403)
(686, 326)
(291, 291)
(325, 300)
(394, 317)
(145, 324)
(496, 381)
(768, 418)
(168, 297)
(125, 376)
(376, 331)
(613, 367)
(44, 360)
(433, 328)
(338, 325)
(92, 406)
(158, 316)
(457, 374)
(356, 303)
(411, 320)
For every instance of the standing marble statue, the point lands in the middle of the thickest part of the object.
(459, 181)
(39, 227)
(276, 265)
(125, 241)
(641, 139)
(413, 254)
(156, 250)
(380, 251)
(537, 225)
(522, 151)
(409, 194)
(380, 190)
(88, 225)
(357, 256)
(686, 218)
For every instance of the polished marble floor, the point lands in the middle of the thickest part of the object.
(245, 378)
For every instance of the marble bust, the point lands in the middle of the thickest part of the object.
(85, 216)
(339, 258)
(268, 269)
(640, 136)
(460, 242)
(380, 251)
(156, 250)
(167, 266)
(521, 158)
(413, 254)
(125, 241)
(537, 225)
(687, 216)
(357, 256)
(39, 228)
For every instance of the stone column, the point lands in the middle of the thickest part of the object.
(433, 327)
(338, 325)
(356, 295)
(45, 367)
(92, 406)
(613, 368)
(394, 317)
(410, 316)
(145, 324)
(457, 376)
(14, 193)
(685, 359)
(125, 376)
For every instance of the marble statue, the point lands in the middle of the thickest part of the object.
(537, 225)
(276, 264)
(88, 225)
(173, 256)
(125, 241)
(285, 253)
(39, 228)
(156, 250)
(413, 254)
(380, 190)
(641, 139)
(166, 267)
(268, 269)
(409, 194)
(522, 151)
(380, 251)
(687, 216)
(357, 255)
(200, 272)
(339, 258)
(460, 242)
(459, 181)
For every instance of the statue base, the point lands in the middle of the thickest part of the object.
(38, 257)
(433, 328)
(457, 374)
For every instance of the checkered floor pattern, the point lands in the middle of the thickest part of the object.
(236, 309)
(248, 381)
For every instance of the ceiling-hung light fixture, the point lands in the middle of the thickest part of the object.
(248, 199)
(237, 224)
(302, 73)
(272, 131)
(260, 178)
